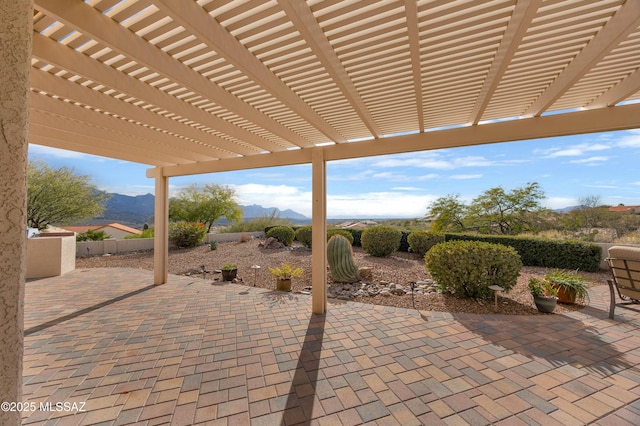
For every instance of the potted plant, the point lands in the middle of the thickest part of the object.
(570, 286)
(544, 295)
(229, 271)
(283, 275)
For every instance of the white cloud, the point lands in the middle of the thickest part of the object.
(602, 186)
(258, 189)
(378, 204)
(41, 150)
(425, 177)
(363, 175)
(361, 205)
(280, 196)
(574, 150)
(434, 161)
(131, 190)
(591, 161)
(630, 140)
(406, 188)
(390, 176)
(476, 176)
(554, 203)
(267, 175)
(472, 161)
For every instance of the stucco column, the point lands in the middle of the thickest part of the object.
(161, 229)
(15, 56)
(319, 232)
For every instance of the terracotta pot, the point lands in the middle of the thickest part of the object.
(546, 304)
(283, 284)
(565, 295)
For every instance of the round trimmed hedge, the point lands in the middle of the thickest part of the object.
(284, 234)
(421, 242)
(469, 268)
(303, 234)
(381, 240)
(337, 231)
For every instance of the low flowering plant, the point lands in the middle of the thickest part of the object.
(286, 271)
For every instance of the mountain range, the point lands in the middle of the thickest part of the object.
(137, 210)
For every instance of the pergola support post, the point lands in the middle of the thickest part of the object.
(16, 21)
(161, 229)
(319, 233)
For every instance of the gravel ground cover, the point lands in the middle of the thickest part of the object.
(399, 269)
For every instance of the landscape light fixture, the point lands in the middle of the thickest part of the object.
(255, 273)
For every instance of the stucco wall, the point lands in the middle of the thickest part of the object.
(140, 244)
(50, 256)
(16, 21)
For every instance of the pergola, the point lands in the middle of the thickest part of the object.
(215, 85)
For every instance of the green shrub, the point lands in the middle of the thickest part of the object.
(576, 255)
(381, 240)
(337, 231)
(91, 235)
(421, 241)
(186, 234)
(404, 241)
(257, 224)
(284, 234)
(303, 234)
(357, 236)
(468, 268)
(146, 233)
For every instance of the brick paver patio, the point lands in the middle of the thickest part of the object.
(196, 352)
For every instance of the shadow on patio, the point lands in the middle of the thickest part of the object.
(189, 352)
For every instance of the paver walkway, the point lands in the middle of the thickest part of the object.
(196, 352)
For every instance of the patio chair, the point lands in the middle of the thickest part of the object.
(624, 264)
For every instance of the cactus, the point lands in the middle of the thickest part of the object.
(340, 257)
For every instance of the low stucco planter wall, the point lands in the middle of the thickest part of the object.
(112, 246)
(51, 255)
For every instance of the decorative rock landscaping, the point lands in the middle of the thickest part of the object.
(346, 291)
(386, 280)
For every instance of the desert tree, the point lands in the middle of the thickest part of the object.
(205, 204)
(60, 196)
(449, 213)
(591, 212)
(507, 212)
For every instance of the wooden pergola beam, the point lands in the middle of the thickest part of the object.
(624, 22)
(102, 28)
(590, 121)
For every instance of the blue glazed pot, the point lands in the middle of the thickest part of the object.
(546, 304)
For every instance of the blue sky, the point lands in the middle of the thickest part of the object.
(404, 185)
